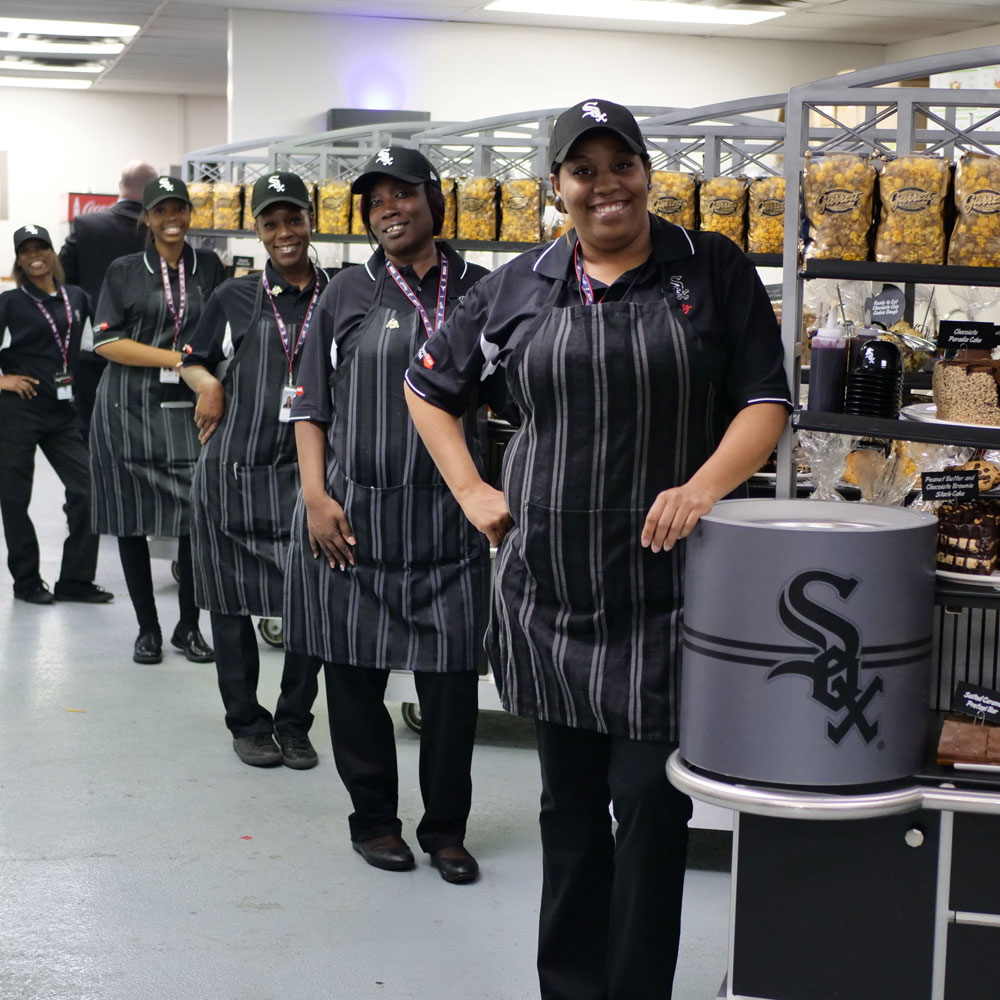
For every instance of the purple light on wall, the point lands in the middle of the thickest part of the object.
(374, 85)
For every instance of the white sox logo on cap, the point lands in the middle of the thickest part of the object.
(384, 157)
(275, 183)
(593, 110)
(166, 183)
(31, 229)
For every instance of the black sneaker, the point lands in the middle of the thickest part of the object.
(39, 593)
(257, 750)
(297, 751)
(85, 593)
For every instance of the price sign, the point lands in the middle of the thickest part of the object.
(888, 307)
(954, 486)
(954, 335)
(978, 702)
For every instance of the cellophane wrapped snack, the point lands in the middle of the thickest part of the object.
(913, 190)
(334, 207)
(825, 455)
(357, 222)
(975, 239)
(766, 215)
(521, 210)
(673, 196)
(227, 207)
(723, 203)
(449, 228)
(838, 190)
(201, 205)
(477, 208)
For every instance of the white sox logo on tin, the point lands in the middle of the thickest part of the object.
(274, 183)
(593, 110)
(832, 659)
(384, 157)
(166, 183)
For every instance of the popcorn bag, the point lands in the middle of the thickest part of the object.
(334, 214)
(521, 210)
(227, 206)
(838, 191)
(723, 203)
(201, 205)
(766, 215)
(357, 222)
(975, 239)
(673, 196)
(477, 208)
(450, 226)
(911, 224)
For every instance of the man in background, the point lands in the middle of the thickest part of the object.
(94, 241)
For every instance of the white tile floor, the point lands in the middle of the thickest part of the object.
(141, 860)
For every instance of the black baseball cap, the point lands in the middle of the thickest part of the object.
(161, 188)
(279, 186)
(30, 232)
(400, 162)
(587, 116)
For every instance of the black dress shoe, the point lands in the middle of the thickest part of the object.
(192, 644)
(297, 751)
(389, 853)
(85, 593)
(38, 593)
(148, 648)
(257, 750)
(455, 864)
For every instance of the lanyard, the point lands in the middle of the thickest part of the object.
(586, 289)
(408, 292)
(63, 345)
(177, 314)
(283, 330)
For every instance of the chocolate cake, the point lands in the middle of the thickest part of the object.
(967, 537)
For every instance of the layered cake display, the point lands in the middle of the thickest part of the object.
(966, 392)
(967, 537)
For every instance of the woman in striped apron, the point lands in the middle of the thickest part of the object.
(385, 573)
(143, 439)
(646, 365)
(251, 336)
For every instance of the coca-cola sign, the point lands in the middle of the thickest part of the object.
(83, 204)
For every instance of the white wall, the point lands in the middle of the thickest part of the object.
(944, 43)
(60, 141)
(461, 72)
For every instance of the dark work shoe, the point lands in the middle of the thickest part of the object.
(389, 853)
(85, 593)
(148, 648)
(38, 593)
(297, 751)
(257, 750)
(455, 864)
(192, 644)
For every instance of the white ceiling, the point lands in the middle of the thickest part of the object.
(181, 47)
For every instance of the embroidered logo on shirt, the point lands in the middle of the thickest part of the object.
(425, 357)
(685, 307)
(275, 184)
(384, 157)
(298, 390)
(680, 289)
(593, 110)
(166, 183)
(393, 324)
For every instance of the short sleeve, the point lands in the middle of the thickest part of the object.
(317, 359)
(205, 346)
(109, 319)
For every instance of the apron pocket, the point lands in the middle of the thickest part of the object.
(258, 500)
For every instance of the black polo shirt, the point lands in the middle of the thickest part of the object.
(341, 310)
(231, 309)
(705, 274)
(27, 344)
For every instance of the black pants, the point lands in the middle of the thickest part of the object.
(237, 660)
(610, 915)
(134, 552)
(364, 749)
(27, 424)
(87, 373)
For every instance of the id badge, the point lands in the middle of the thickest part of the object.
(64, 385)
(169, 376)
(288, 394)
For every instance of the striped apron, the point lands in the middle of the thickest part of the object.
(618, 403)
(415, 600)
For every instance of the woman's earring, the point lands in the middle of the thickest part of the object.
(559, 205)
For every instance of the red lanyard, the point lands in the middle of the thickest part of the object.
(408, 292)
(177, 314)
(586, 289)
(283, 330)
(63, 345)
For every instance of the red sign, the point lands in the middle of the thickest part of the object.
(81, 204)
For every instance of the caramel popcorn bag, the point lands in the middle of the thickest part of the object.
(975, 239)
(766, 215)
(723, 203)
(477, 208)
(521, 210)
(838, 192)
(201, 204)
(334, 214)
(672, 196)
(450, 226)
(913, 190)
(357, 222)
(227, 208)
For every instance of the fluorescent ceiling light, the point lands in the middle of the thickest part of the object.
(635, 10)
(21, 65)
(65, 29)
(52, 82)
(44, 48)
